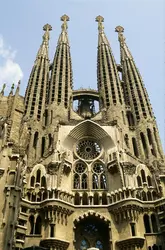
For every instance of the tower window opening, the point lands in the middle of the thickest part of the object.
(32, 181)
(130, 119)
(96, 199)
(31, 220)
(154, 223)
(133, 231)
(46, 117)
(51, 231)
(147, 223)
(149, 181)
(77, 199)
(35, 140)
(38, 176)
(85, 199)
(38, 225)
(143, 175)
(139, 181)
(43, 181)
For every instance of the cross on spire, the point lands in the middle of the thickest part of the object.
(65, 19)
(100, 21)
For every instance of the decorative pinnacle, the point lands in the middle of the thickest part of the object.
(47, 27)
(120, 31)
(100, 21)
(65, 19)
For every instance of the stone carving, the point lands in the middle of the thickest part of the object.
(129, 168)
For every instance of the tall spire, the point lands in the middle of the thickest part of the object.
(38, 82)
(61, 75)
(136, 94)
(137, 98)
(109, 84)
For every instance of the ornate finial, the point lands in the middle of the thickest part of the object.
(65, 19)
(3, 88)
(120, 31)
(12, 88)
(47, 27)
(100, 21)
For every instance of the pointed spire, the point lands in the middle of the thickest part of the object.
(61, 75)
(102, 36)
(138, 97)
(3, 89)
(43, 51)
(109, 85)
(64, 27)
(35, 96)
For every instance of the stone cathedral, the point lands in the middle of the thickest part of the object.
(81, 168)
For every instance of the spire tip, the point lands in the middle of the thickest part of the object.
(119, 29)
(47, 27)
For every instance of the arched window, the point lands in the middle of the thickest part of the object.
(32, 181)
(154, 223)
(31, 220)
(38, 225)
(98, 177)
(38, 177)
(103, 183)
(135, 148)
(44, 195)
(80, 176)
(149, 181)
(96, 199)
(85, 199)
(147, 223)
(76, 181)
(84, 181)
(143, 175)
(95, 182)
(77, 199)
(139, 181)
(35, 140)
(143, 140)
(43, 181)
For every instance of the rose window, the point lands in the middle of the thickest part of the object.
(88, 149)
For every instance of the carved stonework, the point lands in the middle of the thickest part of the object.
(129, 168)
(53, 168)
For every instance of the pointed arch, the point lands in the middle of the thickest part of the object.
(149, 181)
(31, 221)
(38, 176)
(85, 199)
(96, 199)
(154, 223)
(143, 175)
(139, 181)
(43, 181)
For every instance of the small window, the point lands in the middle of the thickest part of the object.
(51, 230)
(133, 232)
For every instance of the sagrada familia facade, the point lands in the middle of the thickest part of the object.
(81, 169)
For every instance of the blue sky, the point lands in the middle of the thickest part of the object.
(21, 32)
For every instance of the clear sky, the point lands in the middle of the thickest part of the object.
(21, 32)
